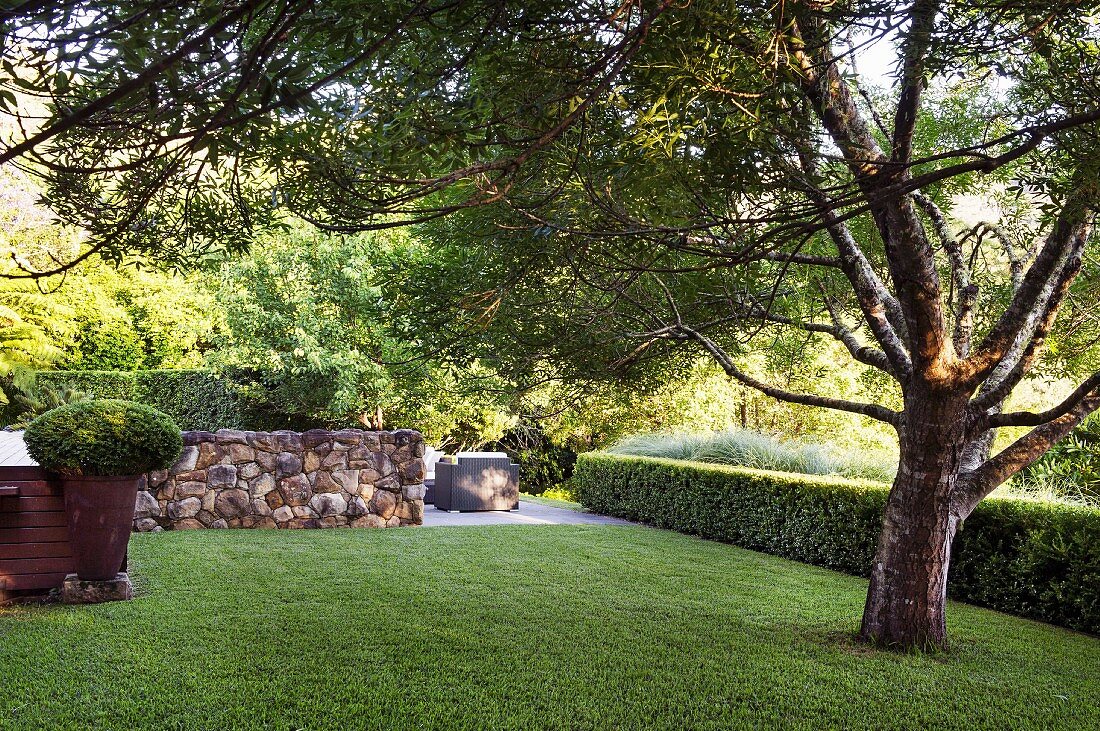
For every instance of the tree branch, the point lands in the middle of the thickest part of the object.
(1027, 418)
(723, 359)
(1065, 241)
(975, 485)
(922, 20)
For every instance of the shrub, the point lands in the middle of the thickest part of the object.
(1071, 468)
(104, 437)
(544, 465)
(1034, 559)
(745, 448)
(195, 399)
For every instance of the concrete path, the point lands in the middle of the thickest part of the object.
(528, 514)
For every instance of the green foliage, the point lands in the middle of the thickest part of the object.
(104, 318)
(309, 340)
(104, 437)
(544, 465)
(39, 398)
(1038, 560)
(743, 448)
(194, 399)
(24, 346)
(1072, 465)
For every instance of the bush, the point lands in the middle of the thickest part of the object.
(544, 465)
(1034, 559)
(195, 399)
(745, 448)
(1070, 468)
(104, 437)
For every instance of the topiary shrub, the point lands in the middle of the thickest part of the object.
(105, 437)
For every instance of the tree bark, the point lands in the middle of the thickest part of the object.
(907, 596)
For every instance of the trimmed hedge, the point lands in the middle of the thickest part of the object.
(1033, 559)
(195, 399)
(104, 437)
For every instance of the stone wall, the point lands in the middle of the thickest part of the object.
(283, 479)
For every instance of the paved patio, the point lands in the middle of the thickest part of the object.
(528, 514)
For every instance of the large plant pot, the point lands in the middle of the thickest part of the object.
(101, 515)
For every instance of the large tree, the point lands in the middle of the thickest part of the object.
(655, 175)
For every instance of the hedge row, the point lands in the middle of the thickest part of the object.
(195, 399)
(1036, 560)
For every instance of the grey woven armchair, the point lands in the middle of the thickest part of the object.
(473, 481)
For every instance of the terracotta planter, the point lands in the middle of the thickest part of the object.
(100, 512)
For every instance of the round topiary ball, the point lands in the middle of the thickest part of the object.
(104, 437)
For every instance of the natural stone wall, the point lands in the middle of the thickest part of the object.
(283, 479)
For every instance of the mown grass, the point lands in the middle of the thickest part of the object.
(512, 628)
(553, 502)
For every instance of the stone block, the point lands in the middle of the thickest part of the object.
(192, 438)
(410, 510)
(221, 476)
(240, 453)
(287, 441)
(368, 521)
(325, 482)
(75, 591)
(328, 503)
(146, 525)
(209, 454)
(414, 492)
(383, 503)
(347, 479)
(248, 471)
(232, 504)
(262, 441)
(189, 457)
(295, 490)
(189, 489)
(146, 506)
(274, 499)
(287, 464)
(335, 460)
(266, 461)
(186, 508)
(412, 472)
(230, 436)
(262, 485)
(357, 506)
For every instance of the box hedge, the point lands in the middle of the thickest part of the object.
(1034, 559)
(101, 437)
(195, 399)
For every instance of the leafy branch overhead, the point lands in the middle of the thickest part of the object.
(609, 185)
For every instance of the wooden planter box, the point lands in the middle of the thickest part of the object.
(34, 537)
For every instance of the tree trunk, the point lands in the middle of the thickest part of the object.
(907, 596)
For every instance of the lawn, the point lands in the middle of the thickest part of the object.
(512, 627)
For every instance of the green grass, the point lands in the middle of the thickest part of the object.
(512, 627)
(552, 502)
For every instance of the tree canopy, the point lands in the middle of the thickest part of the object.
(626, 179)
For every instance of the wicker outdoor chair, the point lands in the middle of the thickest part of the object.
(471, 481)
